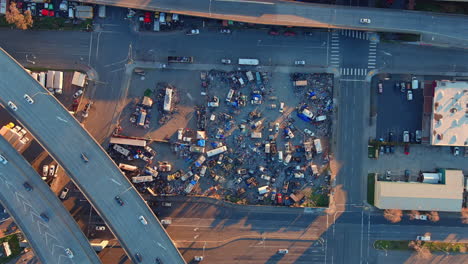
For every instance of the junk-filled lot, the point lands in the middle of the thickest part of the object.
(250, 137)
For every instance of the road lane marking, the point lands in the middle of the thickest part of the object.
(245, 1)
(61, 119)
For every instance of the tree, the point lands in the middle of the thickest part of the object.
(393, 215)
(13, 16)
(434, 216)
(464, 215)
(419, 247)
(413, 214)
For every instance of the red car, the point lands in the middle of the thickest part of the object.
(147, 18)
(406, 149)
(273, 32)
(289, 33)
(279, 197)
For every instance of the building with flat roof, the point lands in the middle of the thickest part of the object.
(449, 122)
(443, 194)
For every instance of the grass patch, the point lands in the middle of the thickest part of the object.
(319, 200)
(3, 22)
(370, 188)
(446, 247)
(56, 23)
(13, 241)
(432, 246)
(392, 244)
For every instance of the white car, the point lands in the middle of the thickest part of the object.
(456, 151)
(198, 258)
(69, 253)
(409, 95)
(78, 93)
(3, 160)
(277, 127)
(308, 132)
(45, 170)
(166, 221)
(283, 251)
(421, 217)
(100, 228)
(365, 20)
(225, 61)
(28, 99)
(299, 62)
(423, 238)
(12, 106)
(51, 170)
(281, 109)
(143, 220)
(193, 32)
(64, 193)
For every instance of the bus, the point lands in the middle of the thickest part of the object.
(128, 141)
(139, 179)
(252, 62)
(216, 151)
(168, 100)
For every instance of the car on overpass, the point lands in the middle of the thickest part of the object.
(365, 20)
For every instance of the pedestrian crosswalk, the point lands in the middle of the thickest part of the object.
(355, 34)
(353, 72)
(335, 50)
(372, 58)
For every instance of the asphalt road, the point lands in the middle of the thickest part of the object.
(99, 179)
(437, 28)
(48, 239)
(109, 51)
(227, 233)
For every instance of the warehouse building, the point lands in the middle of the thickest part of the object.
(439, 191)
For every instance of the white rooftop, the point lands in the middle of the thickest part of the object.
(449, 124)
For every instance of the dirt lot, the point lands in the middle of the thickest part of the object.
(250, 170)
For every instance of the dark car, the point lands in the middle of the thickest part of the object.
(402, 87)
(387, 149)
(390, 136)
(397, 85)
(412, 137)
(408, 86)
(45, 217)
(27, 186)
(138, 257)
(159, 261)
(407, 151)
(119, 200)
(392, 149)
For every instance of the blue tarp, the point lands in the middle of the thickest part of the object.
(201, 143)
(303, 117)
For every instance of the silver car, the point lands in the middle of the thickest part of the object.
(28, 99)
(12, 106)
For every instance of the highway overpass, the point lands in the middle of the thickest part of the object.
(48, 239)
(434, 27)
(99, 179)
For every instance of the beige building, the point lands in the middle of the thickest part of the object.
(449, 121)
(442, 191)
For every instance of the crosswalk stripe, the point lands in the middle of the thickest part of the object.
(335, 44)
(372, 53)
(371, 57)
(335, 51)
(371, 63)
(371, 67)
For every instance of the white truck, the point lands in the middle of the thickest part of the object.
(318, 145)
(251, 62)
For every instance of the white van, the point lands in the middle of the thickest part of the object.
(287, 159)
(203, 171)
(162, 18)
(229, 95)
(280, 156)
(102, 11)
(71, 13)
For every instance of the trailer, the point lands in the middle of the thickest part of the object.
(216, 151)
(50, 80)
(140, 179)
(142, 118)
(121, 150)
(179, 59)
(300, 83)
(250, 76)
(318, 145)
(127, 167)
(58, 82)
(128, 141)
(168, 100)
(251, 62)
(84, 12)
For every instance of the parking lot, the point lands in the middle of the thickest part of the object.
(395, 113)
